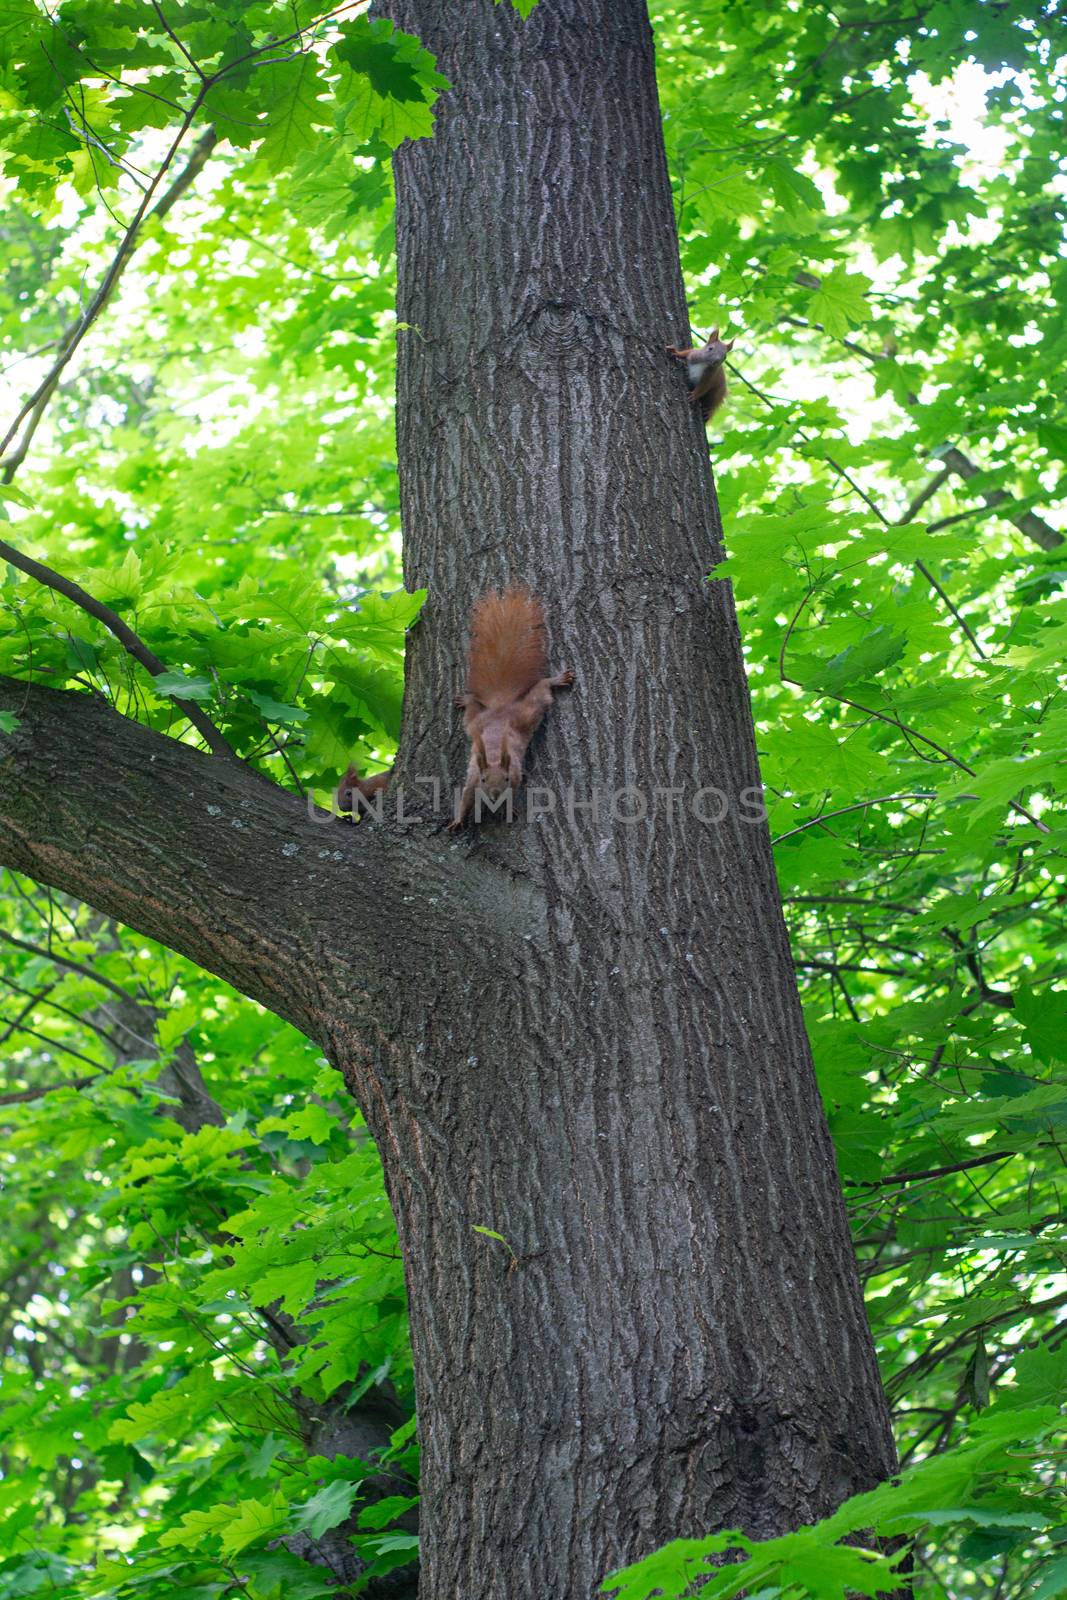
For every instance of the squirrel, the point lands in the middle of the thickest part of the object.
(367, 787)
(508, 691)
(704, 370)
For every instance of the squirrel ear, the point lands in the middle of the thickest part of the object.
(729, 344)
(713, 335)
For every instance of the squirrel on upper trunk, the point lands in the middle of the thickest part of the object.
(704, 370)
(508, 691)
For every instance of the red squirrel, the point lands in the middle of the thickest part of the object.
(704, 370)
(367, 787)
(508, 691)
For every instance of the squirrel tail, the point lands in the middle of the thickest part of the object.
(507, 652)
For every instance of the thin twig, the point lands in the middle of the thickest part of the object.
(960, 618)
(1028, 522)
(32, 1003)
(20, 1096)
(34, 407)
(861, 805)
(935, 483)
(167, 29)
(869, 711)
(932, 1172)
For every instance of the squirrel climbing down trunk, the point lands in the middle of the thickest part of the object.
(508, 691)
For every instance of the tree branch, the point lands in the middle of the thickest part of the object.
(22, 1096)
(931, 1172)
(315, 919)
(861, 805)
(954, 459)
(64, 961)
(1028, 522)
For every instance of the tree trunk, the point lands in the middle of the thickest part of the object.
(672, 1339)
(582, 1031)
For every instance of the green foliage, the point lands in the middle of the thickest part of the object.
(85, 81)
(961, 1489)
(873, 205)
(210, 1281)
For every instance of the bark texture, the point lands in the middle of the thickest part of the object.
(678, 1342)
(582, 1031)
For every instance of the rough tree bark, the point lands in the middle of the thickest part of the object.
(682, 1343)
(581, 1032)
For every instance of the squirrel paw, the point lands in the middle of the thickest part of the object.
(566, 679)
(455, 826)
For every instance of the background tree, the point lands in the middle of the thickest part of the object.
(923, 1066)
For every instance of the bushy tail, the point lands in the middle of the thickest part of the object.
(507, 653)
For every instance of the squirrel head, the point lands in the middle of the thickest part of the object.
(495, 781)
(346, 791)
(716, 350)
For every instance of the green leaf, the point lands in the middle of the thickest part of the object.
(253, 1522)
(382, 1512)
(390, 82)
(1044, 1020)
(274, 711)
(840, 301)
(277, 1575)
(860, 662)
(976, 1378)
(81, 655)
(1053, 1582)
(19, 497)
(793, 191)
(293, 100)
(490, 1233)
(327, 1508)
(178, 686)
(377, 50)
(312, 1122)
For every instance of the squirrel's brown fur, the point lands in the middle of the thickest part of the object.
(508, 691)
(704, 372)
(508, 652)
(352, 784)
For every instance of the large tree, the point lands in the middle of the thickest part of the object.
(582, 1031)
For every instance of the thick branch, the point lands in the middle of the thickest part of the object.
(1028, 522)
(314, 919)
